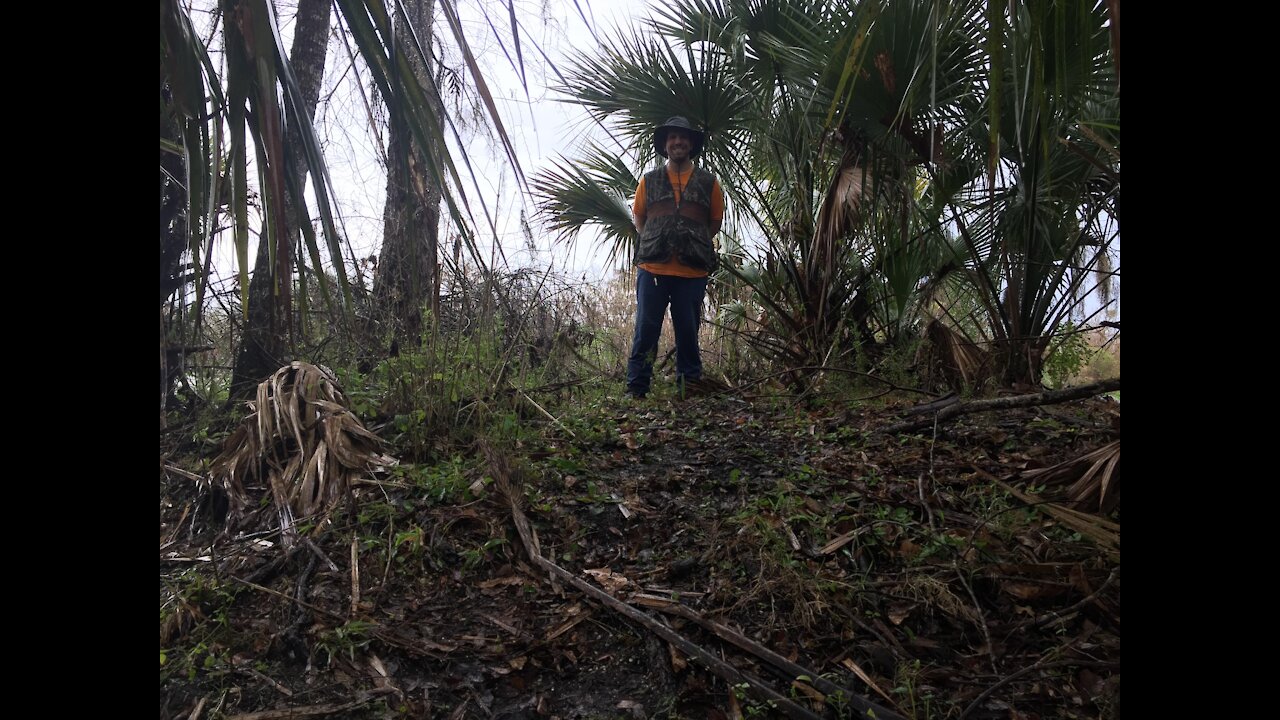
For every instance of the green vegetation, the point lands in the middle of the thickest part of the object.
(924, 203)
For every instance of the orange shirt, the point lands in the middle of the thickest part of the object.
(678, 182)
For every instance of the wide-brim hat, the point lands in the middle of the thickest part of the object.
(677, 122)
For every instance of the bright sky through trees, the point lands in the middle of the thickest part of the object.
(541, 126)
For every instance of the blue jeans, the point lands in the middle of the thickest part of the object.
(653, 294)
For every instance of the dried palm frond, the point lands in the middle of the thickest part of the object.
(1099, 529)
(1094, 478)
(303, 441)
(954, 358)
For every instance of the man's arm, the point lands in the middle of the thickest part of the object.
(638, 209)
(717, 208)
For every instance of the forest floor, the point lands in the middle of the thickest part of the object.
(917, 571)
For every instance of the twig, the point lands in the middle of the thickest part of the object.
(727, 672)
(1059, 615)
(982, 618)
(268, 680)
(183, 473)
(928, 511)
(277, 593)
(789, 669)
(177, 526)
(195, 713)
(426, 647)
(333, 567)
(355, 576)
(509, 628)
(542, 410)
(1032, 668)
(305, 711)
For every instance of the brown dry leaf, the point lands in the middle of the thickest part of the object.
(907, 549)
(518, 663)
(1080, 579)
(735, 711)
(840, 542)
(953, 357)
(898, 613)
(183, 618)
(791, 537)
(808, 690)
(495, 582)
(567, 625)
(864, 677)
(1030, 591)
(634, 708)
(612, 581)
(678, 661)
(381, 678)
(636, 504)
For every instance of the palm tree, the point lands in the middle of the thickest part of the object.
(407, 278)
(802, 173)
(211, 120)
(1040, 227)
(267, 336)
(878, 156)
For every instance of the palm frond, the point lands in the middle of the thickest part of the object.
(591, 191)
(303, 442)
(1092, 479)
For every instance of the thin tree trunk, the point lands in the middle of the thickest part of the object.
(265, 344)
(173, 238)
(173, 233)
(407, 280)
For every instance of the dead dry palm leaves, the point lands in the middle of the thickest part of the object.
(1094, 478)
(303, 441)
(952, 357)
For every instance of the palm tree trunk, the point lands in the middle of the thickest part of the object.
(267, 340)
(407, 281)
(173, 237)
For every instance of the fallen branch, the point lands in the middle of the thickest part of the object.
(730, 674)
(305, 711)
(1060, 615)
(727, 672)
(788, 668)
(948, 411)
(423, 646)
(1032, 668)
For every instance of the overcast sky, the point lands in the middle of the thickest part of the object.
(540, 126)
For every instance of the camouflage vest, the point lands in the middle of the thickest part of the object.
(682, 229)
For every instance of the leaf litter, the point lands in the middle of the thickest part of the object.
(962, 574)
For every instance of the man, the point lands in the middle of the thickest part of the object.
(678, 210)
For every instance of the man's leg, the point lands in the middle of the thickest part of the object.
(686, 314)
(651, 305)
